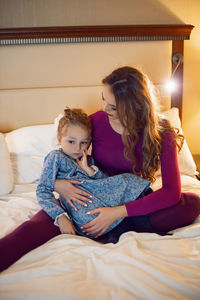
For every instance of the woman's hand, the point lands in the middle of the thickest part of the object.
(71, 193)
(66, 225)
(107, 216)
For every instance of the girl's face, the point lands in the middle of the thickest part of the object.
(74, 141)
(109, 103)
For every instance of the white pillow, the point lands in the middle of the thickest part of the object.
(6, 174)
(56, 121)
(186, 162)
(28, 146)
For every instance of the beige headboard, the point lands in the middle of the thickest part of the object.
(45, 69)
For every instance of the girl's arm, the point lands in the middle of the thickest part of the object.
(66, 225)
(86, 163)
(45, 187)
(83, 164)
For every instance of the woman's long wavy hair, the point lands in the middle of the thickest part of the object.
(138, 115)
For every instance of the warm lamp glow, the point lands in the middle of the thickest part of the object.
(171, 85)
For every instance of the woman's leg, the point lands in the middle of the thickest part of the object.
(179, 215)
(160, 222)
(26, 237)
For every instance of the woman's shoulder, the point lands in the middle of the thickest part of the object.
(99, 122)
(99, 115)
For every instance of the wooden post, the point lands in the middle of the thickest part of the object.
(176, 97)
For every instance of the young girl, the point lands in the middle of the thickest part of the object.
(72, 163)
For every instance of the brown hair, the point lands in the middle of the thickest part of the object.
(137, 113)
(74, 116)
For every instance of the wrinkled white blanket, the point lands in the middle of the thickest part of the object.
(139, 266)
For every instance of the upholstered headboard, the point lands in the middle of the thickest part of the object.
(45, 69)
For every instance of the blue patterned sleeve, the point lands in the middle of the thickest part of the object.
(45, 187)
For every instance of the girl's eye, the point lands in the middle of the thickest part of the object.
(84, 143)
(113, 108)
(71, 142)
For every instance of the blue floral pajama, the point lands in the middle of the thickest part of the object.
(106, 191)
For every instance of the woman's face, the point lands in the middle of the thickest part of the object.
(109, 103)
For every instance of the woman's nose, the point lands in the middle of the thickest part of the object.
(105, 108)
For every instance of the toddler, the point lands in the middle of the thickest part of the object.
(71, 162)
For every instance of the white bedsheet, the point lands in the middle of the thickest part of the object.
(139, 266)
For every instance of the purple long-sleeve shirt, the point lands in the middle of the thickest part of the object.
(107, 150)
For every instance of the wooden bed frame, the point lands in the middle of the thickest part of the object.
(115, 33)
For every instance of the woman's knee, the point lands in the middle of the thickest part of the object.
(179, 215)
(190, 203)
(40, 228)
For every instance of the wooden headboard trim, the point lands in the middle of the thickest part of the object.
(80, 34)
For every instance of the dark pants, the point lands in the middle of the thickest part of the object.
(40, 228)
(136, 223)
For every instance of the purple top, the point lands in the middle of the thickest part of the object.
(107, 150)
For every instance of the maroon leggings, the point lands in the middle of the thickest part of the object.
(40, 228)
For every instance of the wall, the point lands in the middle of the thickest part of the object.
(28, 13)
(189, 13)
(22, 13)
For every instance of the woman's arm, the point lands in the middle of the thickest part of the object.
(71, 193)
(107, 216)
(168, 195)
(170, 192)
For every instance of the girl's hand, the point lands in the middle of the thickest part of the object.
(107, 216)
(83, 160)
(66, 225)
(71, 193)
(84, 164)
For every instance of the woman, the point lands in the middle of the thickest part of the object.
(128, 136)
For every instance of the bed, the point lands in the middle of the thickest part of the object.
(140, 265)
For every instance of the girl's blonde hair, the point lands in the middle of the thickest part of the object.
(137, 113)
(74, 116)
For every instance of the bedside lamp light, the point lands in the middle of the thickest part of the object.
(171, 84)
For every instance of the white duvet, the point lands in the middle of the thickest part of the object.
(139, 266)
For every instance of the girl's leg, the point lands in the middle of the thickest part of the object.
(179, 215)
(26, 237)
